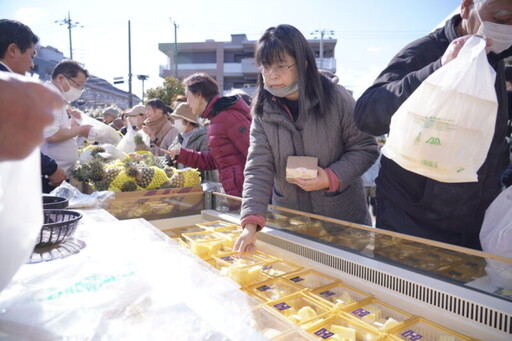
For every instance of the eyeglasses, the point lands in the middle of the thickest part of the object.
(277, 69)
(78, 85)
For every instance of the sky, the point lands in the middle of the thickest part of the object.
(368, 32)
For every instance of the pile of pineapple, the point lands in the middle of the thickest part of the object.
(139, 171)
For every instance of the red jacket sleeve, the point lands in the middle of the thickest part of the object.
(191, 158)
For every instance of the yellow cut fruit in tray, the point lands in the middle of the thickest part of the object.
(391, 322)
(306, 313)
(375, 310)
(346, 298)
(370, 318)
(206, 249)
(289, 312)
(343, 333)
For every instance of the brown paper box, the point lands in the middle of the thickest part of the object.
(304, 167)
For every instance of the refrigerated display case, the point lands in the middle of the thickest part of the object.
(129, 279)
(443, 283)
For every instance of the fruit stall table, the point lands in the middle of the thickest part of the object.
(129, 280)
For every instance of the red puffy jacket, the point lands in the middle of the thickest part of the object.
(228, 142)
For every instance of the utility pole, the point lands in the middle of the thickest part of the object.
(130, 99)
(322, 34)
(70, 24)
(175, 47)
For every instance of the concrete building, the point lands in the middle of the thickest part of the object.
(98, 92)
(230, 63)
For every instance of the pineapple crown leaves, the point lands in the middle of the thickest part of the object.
(96, 150)
(96, 170)
(129, 186)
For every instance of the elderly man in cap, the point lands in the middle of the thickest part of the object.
(192, 136)
(110, 114)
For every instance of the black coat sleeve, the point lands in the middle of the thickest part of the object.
(48, 165)
(404, 74)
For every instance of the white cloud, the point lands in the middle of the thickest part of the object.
(31, 16)
(374, 49)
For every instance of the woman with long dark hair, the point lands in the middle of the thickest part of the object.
(297, 111)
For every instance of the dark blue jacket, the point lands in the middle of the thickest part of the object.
(48, 167)
(411, 203)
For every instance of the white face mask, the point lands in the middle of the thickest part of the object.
(72, 94)
(178, 124)
(500, 34)
(283, 91)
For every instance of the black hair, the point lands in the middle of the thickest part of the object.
(202, 84)
(157, 103)
(69, 68)
(15, 32)
(313, 87)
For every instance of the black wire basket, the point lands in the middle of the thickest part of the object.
(58, 226)
(52, 202)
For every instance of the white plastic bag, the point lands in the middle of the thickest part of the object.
(77, 199)
(496, 238)
(444, 129)
(21, 213)
(127, 143)
(100, 132)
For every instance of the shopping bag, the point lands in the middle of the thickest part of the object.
(100, 132)
(496, 238)
(444, 129)
(21, 213)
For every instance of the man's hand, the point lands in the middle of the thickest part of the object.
(83, 130)
(319, 183)
(246, 241)
(26, 108)
(57, 177)
(454, 48)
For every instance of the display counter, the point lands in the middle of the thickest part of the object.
(444, 283)
(130, 280)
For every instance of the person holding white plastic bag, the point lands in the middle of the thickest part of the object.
(69, 78)
(412, 203)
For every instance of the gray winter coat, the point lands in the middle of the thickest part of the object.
(198, 141)
(334, 139)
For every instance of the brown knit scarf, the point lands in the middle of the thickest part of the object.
(160, 127)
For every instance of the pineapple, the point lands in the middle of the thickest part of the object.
(169, 171)
(132, 169)
(139, 143)
(111, 173)
(96, 150)
(145, 176)
(129, 186)
(81, 173)
(102, 185)
(192, 177)
(159, 178)
(167, 185)
(178, 179)
(96, 171)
